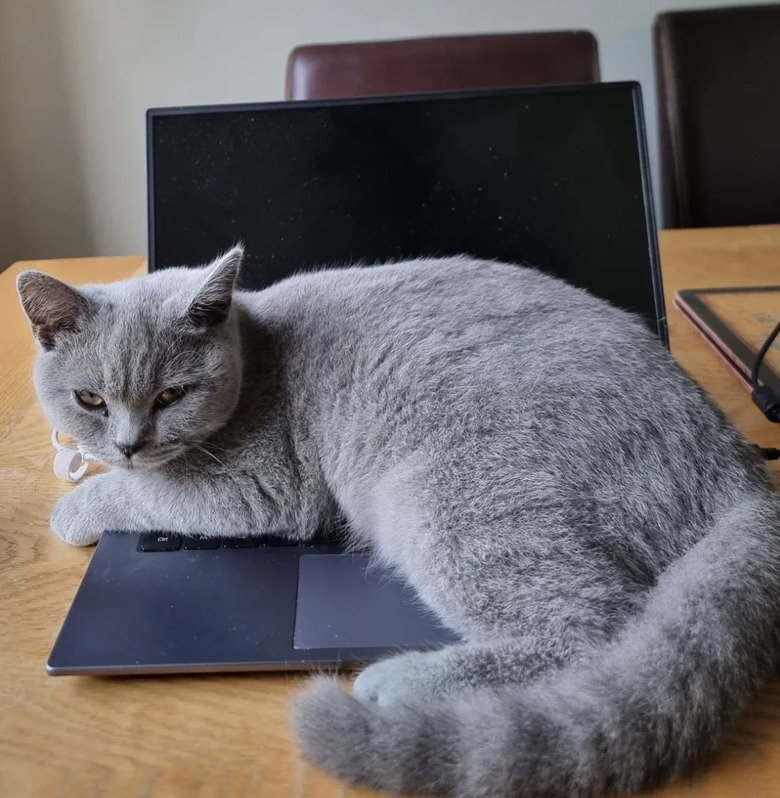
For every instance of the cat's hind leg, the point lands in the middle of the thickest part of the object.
(418, 676)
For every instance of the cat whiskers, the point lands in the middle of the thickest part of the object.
(206, 451)
(212, 445)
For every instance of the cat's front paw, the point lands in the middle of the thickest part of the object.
(77, 518)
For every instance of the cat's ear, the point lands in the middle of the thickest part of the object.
(211, 305)
(51, 306)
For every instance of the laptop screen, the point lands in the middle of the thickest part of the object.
(551, 177)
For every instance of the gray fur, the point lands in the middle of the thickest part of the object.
(526, 455)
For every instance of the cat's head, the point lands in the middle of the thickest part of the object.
(142, 370)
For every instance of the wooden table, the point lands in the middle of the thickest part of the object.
(228, 736)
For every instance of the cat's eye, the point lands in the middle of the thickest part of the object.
(169, 396)
(90, 400)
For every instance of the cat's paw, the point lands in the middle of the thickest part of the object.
(405, 679)
(76, 517)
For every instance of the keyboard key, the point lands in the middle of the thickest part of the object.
(275, 541)
(239, 543)
(279, 541)
(159, 541)
(321, 539)
(192, 542)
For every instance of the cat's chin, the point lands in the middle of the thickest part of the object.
(152, 465)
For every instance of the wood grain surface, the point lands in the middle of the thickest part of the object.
(228, 736)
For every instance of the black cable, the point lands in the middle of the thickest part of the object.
(763, 396)
(762, 354)
(768, 452)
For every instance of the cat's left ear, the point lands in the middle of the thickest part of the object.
(52, 307)
(211, 305)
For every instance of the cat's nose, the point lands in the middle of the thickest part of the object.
(129, 449)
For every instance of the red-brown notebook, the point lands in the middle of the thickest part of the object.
(736, 322)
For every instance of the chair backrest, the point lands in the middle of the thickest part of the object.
(360, 69)
(718, 74)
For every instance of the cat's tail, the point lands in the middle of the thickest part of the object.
(643, 710)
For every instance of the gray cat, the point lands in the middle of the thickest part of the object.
(526, 455)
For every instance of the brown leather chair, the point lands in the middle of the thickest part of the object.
(718, 74)
(360, 69)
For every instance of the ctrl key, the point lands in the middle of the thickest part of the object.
(159, 541)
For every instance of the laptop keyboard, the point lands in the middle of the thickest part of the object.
(166, 541)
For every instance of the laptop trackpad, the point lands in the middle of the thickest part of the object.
(345, 603)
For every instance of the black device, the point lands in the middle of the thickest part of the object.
(161, 603)
(555, 177)
(552, 177)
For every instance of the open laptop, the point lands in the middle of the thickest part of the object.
(554, 177)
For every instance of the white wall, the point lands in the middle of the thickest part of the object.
(76, 77)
